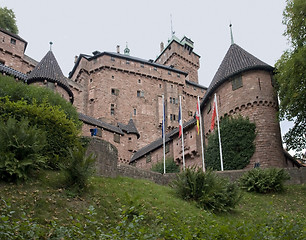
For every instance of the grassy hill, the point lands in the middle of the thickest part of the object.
(124, 208)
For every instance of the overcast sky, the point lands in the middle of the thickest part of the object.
(77, 27)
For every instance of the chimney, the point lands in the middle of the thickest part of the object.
(75, 59)
(162, 47)
(118, 48)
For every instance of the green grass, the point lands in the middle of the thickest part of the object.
(124, 208)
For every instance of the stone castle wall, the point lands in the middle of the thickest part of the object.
(106, 165)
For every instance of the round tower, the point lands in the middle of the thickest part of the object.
(49, 74)
(244, 86)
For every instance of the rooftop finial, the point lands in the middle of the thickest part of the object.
(127, 50)
(232, 38)
(172, 32)
(50, 45)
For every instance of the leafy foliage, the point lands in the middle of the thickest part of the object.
(207, 189)
(237, 135)
(8, 20)
(21, 149)
(62, 132)
(78, 168)
(264, 180)
(291, 75)
(171, 166)
(31, 93)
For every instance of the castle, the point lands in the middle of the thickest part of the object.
(119, 97)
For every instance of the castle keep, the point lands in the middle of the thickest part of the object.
(119, 97)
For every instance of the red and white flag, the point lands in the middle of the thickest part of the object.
(214, 114)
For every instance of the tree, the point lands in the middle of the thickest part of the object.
(8, 20)
(291, 75)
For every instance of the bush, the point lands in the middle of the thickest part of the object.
(21, 149)
(237, 135)
(207, 189)
(31, 93)
(62, 132)
(264, 180)
(171, 166)
(78, 168)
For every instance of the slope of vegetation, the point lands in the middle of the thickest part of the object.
(124, 208)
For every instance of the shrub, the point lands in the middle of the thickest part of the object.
(237, 135)
(62, 132)
(207, 189)
(78, 168)
(21, 149)
(31, 93)
(171, 166)
(264, 180)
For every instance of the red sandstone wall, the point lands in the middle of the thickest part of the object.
(13, 54)
(94, 96)
(256, 100)
(175, 54)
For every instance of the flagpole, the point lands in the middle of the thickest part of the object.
(164, 137)
(183, 152)
(219, 136)
(201, 132)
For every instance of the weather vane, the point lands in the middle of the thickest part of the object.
(232, 38)
(50, 45)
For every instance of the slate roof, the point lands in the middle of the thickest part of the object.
(12, 72)
(95, 122)
(236, 61)
(159, 142)
(130, 128)
(195, 84)
(123, 56)
(48, 69)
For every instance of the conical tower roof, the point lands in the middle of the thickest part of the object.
(130, 128)
(236, 61)
(48, 69)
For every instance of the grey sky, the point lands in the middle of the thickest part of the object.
(85, 26)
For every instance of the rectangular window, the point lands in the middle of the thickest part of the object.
(155, 68)
(135, 111)
(116, 138)
(140, 94)
(170, 99)
(141, 65)
(13, 41)
(178, 75)
(115, 91)
(112, 109)
(112, 59)
(169, 73)
(148, 158)
(236, 83)
(127, 62)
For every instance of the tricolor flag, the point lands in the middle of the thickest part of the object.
(180, 121)
(212, 125)
(198, 118)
